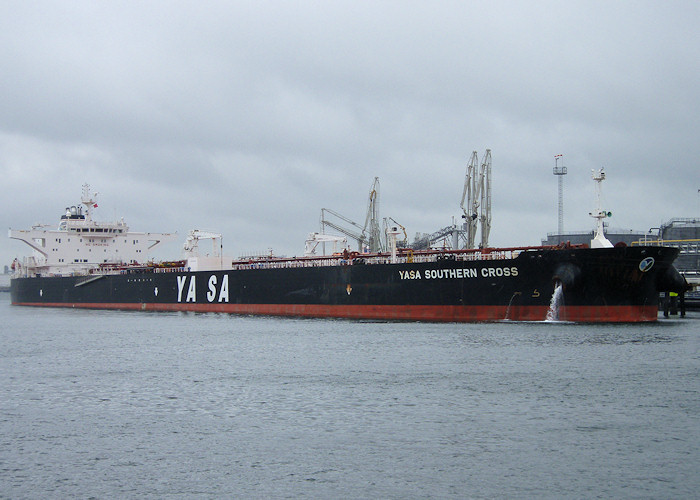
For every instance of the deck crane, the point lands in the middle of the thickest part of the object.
(191, 246)
(357, 234)
(477, 195)
(192, 251)
(368, 236)
(315, 239)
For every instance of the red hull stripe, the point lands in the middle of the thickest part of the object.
(460, 314)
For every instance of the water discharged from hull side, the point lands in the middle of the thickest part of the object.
(555, 303)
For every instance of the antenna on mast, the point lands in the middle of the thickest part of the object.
(599, 240)
(560, 172)
(89, 200)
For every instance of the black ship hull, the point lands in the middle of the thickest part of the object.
(597, 285)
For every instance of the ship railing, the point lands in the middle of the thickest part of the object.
(686, 245)
(405, 256)
(25, 268)
(107, 268)
(169, 269)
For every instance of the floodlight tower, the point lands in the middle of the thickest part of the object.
(560, 172)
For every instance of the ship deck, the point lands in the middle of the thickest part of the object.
(403, 256)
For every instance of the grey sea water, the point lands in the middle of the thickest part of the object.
(97, 404)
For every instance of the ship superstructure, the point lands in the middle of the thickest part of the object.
(80, 244)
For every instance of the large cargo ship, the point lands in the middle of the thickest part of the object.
(88, 264)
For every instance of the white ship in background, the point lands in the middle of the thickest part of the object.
(80, 244)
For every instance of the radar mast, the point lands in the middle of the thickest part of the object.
(599, 240)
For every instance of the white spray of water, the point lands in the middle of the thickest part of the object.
(557, 299)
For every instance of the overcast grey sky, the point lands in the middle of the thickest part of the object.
(247, 118)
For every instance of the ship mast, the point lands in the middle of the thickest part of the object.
(599, 240)
(90, 201)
